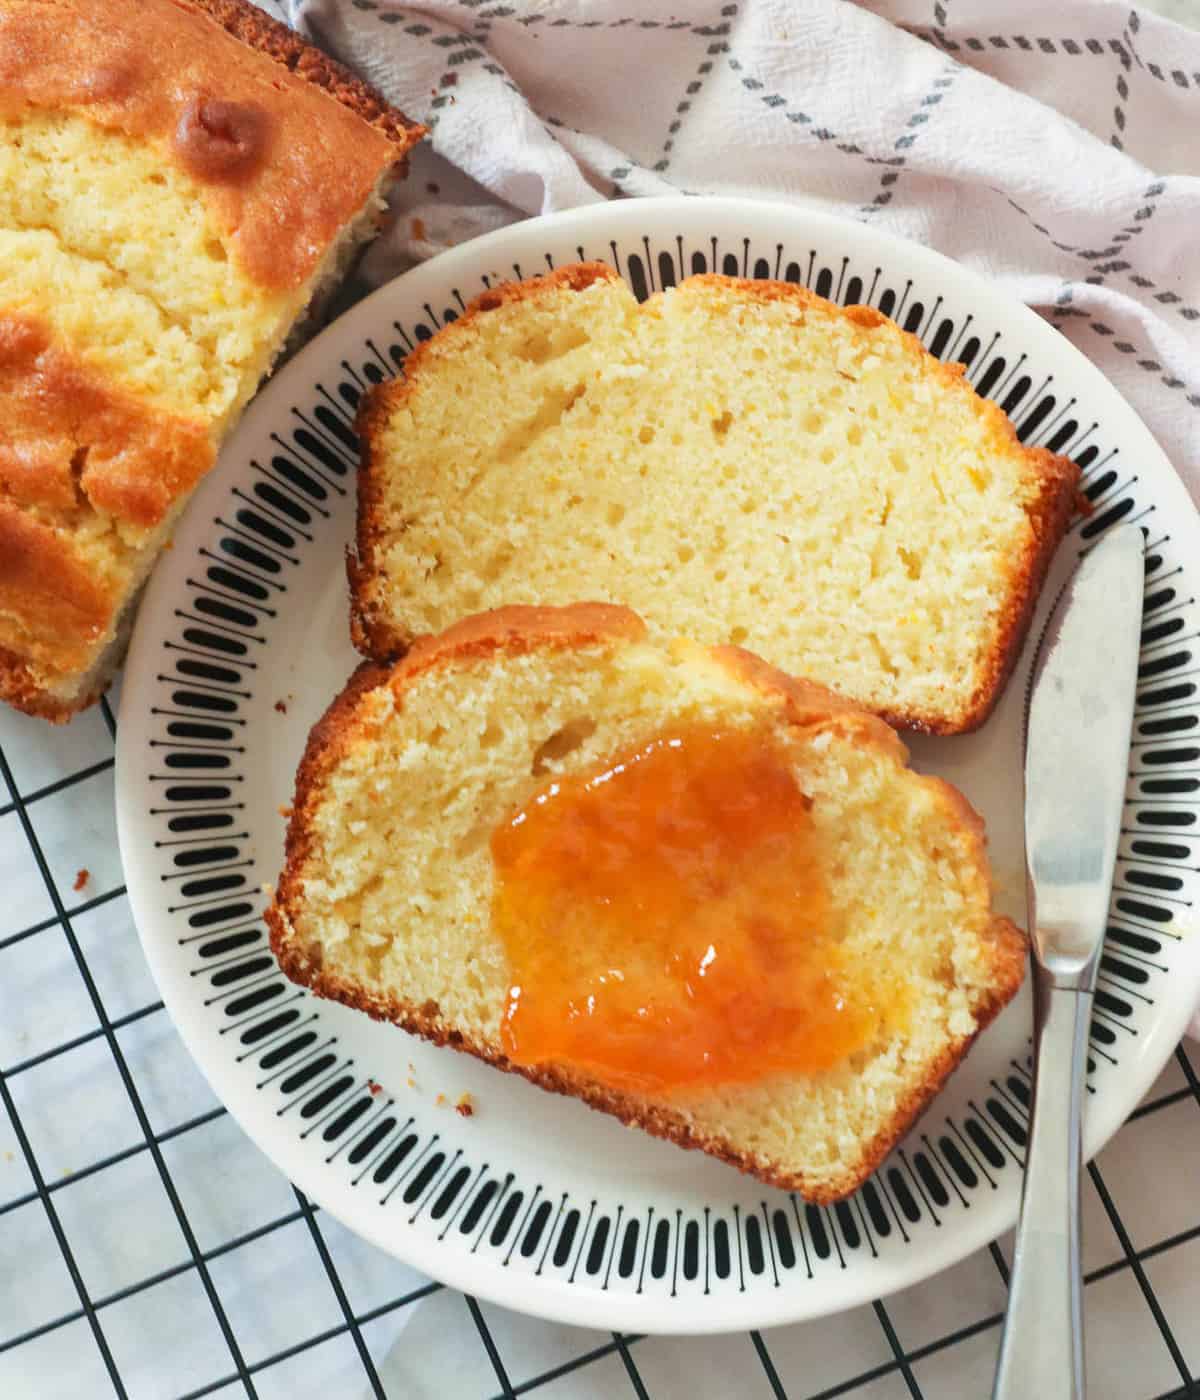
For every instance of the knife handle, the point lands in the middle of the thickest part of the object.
(1041, 1351)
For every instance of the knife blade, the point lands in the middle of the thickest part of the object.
(1078, 724)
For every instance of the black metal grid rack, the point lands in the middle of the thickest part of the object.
(147, 1249)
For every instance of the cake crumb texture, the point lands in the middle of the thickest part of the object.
(178, 180)
(385, 899)
(740, 461)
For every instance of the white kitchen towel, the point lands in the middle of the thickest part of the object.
(1053, 148)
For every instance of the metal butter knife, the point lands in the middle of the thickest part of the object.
(1076, 758)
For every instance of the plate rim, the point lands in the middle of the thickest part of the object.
(546, 1297)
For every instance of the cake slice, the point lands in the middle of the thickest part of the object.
(670, 881)
(179, 181)
(739, 461)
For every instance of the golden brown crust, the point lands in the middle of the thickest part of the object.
(373, 634)
(74, 448)
(248, 23)
(320, 141)
(516, 630)
(74, 439)
(20, 689)
(1050, 512)
(807, 702)
(53, 607)
(1053, 479)
(286, 149)
(573, 277)
(525, 629)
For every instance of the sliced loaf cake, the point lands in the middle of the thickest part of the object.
(670, 881)
(740, 461)
(180, 181)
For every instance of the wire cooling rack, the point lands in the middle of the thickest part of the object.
(147, 1249)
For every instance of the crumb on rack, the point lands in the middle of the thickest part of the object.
(411, 1082)
(285, 811)
(281, 706)
(465, 1106)
(440, 1101)
(374, 1089)
(82, 876)
(449, 80)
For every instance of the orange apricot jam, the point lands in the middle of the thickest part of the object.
(667, 924)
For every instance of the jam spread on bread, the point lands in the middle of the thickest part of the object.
(668, 925)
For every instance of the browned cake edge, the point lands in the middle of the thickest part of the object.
(20, 690)
(1049, 514)
(523, 629)
(247, 23)
(250, 26)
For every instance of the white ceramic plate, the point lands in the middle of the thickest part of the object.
(535, 1201)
